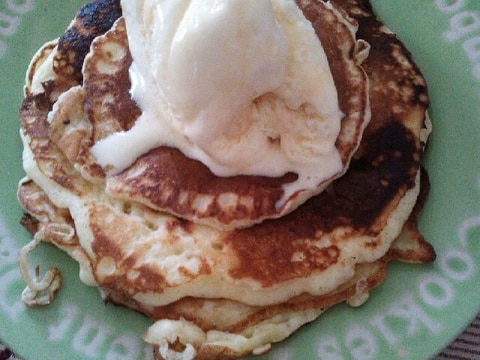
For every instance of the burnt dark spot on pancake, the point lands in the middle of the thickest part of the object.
(36, 103)
(387, 170)
(100, 15)
(355, 202)
(392, 150)
(29, 223)
(92, 20)
(33, 112)
(72, 49)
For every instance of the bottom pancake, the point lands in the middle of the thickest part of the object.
(221, 328)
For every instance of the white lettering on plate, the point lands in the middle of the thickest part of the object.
(8, 249)
(10, 304)
(449, 6)
(361, 343)
(94, 338)
(10, 19)
(466, 226)
(123, 347)
(464, 27)
(462, 24)
(435, 290)
(3, 47)
(413, 316)
(58, 331)
(20, 7)
(280, 353)
(329, 348)
(457, 265)
(8, 24)
(91, 336)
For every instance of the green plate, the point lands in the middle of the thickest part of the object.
(416, 313)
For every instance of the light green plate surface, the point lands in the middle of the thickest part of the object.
(414, 315)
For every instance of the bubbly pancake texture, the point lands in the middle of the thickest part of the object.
(263, 281)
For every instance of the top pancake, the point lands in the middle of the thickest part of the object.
(167, 180)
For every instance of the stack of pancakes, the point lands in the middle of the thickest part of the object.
(221, 269)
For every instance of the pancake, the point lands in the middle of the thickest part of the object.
(166, 180)
(269, 278)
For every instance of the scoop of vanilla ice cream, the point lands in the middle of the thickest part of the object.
(212, 74)
(243, 86)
